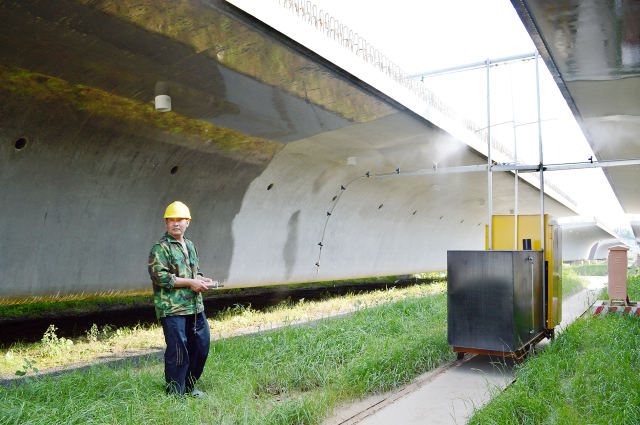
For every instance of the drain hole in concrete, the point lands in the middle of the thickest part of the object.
(380, 206)
(334, 198)
(270, 186)
(174, 169)
(21, 143)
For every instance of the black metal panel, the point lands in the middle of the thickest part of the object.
(528, 269)
(494, 298)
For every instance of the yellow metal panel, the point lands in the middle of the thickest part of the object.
(503, 231)
(548, 256)
(504, 228)
(555, 284)
(486, 237)
(529, 228)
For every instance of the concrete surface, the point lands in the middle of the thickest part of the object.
(450, 394)
(261, 137)
(578, 239)
(592, 49)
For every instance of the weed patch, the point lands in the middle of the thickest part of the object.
(572, 282)
(592, 269)
(291, 375)
(587, 375)
(237, 319)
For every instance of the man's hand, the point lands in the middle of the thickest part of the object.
(214, 284)
(211, 284)
(204, 279)
(198, 284)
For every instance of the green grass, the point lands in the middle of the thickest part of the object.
(595, 269)
(53, 351)
(294, 375)
(81, 305)
(572, 282)
(587, 375)
(633, 289)
(73, 306)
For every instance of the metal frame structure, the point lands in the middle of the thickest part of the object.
(488, 63)
(490, 167)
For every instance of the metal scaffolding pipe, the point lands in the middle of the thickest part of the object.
(436, 170)
(475, 65)
(542, 241)
(542, 236)
(515, 161)
(592, 164)
(489, 173)
(513, 167)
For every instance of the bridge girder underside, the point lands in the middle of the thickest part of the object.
(592, 48)
(267, 143)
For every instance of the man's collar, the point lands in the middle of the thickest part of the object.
(172, 239)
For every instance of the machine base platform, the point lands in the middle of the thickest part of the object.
(603, 307)
(517, 354)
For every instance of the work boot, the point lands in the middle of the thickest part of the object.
(196, 393)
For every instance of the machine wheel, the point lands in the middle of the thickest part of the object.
(551, 334)
(531, 350)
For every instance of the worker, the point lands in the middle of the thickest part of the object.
(177, 295)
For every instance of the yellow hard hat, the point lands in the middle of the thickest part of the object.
(177, 210)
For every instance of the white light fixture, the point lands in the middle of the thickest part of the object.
(163, 103)
(162, 100)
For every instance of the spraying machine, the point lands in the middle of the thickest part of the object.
(505, 299)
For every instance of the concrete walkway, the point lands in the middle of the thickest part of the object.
(449, 394)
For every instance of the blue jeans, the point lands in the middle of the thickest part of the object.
(187, 351)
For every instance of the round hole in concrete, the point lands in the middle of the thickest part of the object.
(380, 206)
(270, 186)
(21, 143)
(174, 169)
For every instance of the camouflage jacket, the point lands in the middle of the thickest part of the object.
(166, 262)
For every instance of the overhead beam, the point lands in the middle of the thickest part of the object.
(475, 65)
(531, 168)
